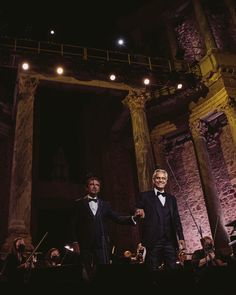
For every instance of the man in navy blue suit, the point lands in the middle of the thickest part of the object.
(162, 233)
(90, 231)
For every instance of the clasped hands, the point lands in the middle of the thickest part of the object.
(139, 213)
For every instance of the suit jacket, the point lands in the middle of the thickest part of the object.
(151, 222)
(90, 230)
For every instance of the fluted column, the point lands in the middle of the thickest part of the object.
(199, 130)
(230, 112)
(136, 100)
(21, 178)
(203, 25)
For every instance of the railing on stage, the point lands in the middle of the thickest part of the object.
(18, 45)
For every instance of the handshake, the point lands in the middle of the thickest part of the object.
(139, 213)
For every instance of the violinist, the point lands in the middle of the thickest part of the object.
(206, 256)
(17, 261)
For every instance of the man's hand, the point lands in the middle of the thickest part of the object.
(139, 213)
(211, 255)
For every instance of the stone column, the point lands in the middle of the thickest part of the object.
(21, 177)
(230, 112)
(204, 26)
(199, 130)
(136, 100)
(6, 148)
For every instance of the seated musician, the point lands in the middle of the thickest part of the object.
(52, 258)
(207, 256)
(17, 261)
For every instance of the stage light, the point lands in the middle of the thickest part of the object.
(121, 42)
(179, 86)
(25, 66)
(112, 77)
(146, 81)
(60, 70)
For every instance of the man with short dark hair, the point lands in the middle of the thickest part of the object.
(90, 231)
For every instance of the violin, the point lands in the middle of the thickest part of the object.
(33, 254)
(31, 258)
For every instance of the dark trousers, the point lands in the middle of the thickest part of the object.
(163, 254)
(94, 256)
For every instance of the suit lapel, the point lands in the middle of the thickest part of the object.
(169, 204)
(99, 207)
(154, 201)
(86, 205)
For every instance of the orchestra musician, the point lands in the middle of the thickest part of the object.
(140, 253)
(207, 256)
(17, 261)
(52, 258)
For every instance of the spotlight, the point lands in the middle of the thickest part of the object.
(179, 86)
(52, 32)
(51, 35)
(112, 77)
(146, 81)
(60, 70)
(25, 66)
(121, 42)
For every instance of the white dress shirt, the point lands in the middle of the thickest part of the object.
(93, 205)
(160, 196)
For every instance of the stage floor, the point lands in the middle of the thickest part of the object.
(125, 277)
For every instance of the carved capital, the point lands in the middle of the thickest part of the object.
(210, 131)
(27, 86)
(136, 99)
(198, 128)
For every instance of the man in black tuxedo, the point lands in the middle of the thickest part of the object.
(162, 233)
(90, 232)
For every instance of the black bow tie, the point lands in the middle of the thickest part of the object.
(160, 194)
(93, 200)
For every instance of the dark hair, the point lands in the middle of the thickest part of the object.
(90, 178)
(13, 249)
(49, 252)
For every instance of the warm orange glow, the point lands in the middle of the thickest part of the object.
(25, 66)
(60, 70)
